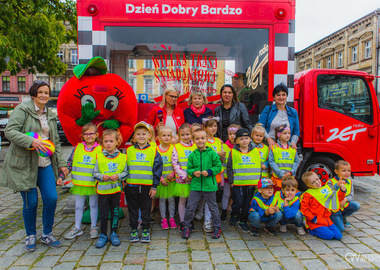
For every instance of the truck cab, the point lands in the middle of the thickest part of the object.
(339, 119)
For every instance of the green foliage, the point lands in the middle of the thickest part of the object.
(31, 32)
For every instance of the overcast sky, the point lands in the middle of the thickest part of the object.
(317, 19)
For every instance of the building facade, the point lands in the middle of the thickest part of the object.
(354, 47)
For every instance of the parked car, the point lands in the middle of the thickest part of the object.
(3, 124)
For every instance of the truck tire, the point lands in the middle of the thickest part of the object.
(322, 166)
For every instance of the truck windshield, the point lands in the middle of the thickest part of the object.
(192, 58)
(345, 94)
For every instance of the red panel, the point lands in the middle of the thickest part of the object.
(280, 67)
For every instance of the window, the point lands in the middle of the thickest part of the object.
(132, 83)
(319, 64)
(329, 62)
(148, 64)
(148, 85)
(131, 63)
(340, 59)
(367, 49)
(21, 84)
(354, 54)
(6, 84)
(74, 57)
(61, 54)
(59, 82)
(345, 94)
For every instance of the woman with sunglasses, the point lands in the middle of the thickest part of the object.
(280, 114)
(23, 170)
(167, 113)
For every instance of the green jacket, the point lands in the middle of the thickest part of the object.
(20, 167)
(207, 160)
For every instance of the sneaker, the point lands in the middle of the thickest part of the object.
(207, 227)
(180, 227)
(283, 228)
(243, 226)
(50, 241)
(30, 243)
(134, 236)
(94, 233)
(270, 230)
(301, 231)
(345, 222)
(74, 232)
(145, 237)
(115, 241)
(172, 223)
(217, 233)
(101, 241)
(186, 233)
(233, 220)
(164, 224)
(223, 217)
(254, 231)
(198, 216)
(192, 227)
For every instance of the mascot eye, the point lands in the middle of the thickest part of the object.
(111, 103)
(88, 99)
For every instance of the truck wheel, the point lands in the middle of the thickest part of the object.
(322, 166)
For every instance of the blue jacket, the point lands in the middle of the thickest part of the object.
(191, 117)
(270, 112)
(291, 211)
(255, 207)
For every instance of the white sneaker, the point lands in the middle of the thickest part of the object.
(94, 233)
(301, 231)
(283, 228)
(74, 232)
(207, 227)
(198, 216)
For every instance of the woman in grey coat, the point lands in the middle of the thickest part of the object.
(23, 170)
(231, 112)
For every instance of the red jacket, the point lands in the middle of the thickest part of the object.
(178, 116)
(316, 214)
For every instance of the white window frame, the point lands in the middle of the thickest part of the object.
(319, 64)
(328, 62)
(131, 63)
(367, 49)
(59, 82)
(133, 84)
(74, 57)
(354, 54)
(340, 59)
(148, 90)
(148, 63)
(61, 54)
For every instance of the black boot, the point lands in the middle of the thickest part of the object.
(223, 217)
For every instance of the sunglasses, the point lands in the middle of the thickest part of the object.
(41, 83)
(174, 97)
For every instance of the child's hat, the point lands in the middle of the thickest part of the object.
(142, 124)
(264, 182)
(242, 132)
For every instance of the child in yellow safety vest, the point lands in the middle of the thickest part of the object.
(283, 159)
(264, 208)
(348, 206)
(258, 134)
(145, 169)
(110, 169)
(181, 152)
(243, 171)
(317, 203)
(288, 202)
(81, 163)
(167, 183)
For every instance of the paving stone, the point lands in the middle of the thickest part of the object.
(314, 265)
(202, 266)
(111, 266)
(155, 265)
(177, 247)
(18, 268)
(7, 261)
(179, 257)
(218, 248)
(371, 231)
(90, 260)
(198, 236)
(156, 254)
(262, 255)
(236, 244)
(370, 241)
(72, 256)
(225, 267)
(176, 238)
(231, 235)
(26, 259)
(47, 261)
(290, 263)
(196, 245)
(56, 251)
(221, 258)
(248, 266)
(241, 256)
(200, 255)
(360, 248)
(134, 258)
(132, 267)
(296, 245)
(318, 246)
(348, 239)
(280, 251)
(141, 249)
(113, 256)
(269, 265)
(157, 244)
(179, 267)
(81, 245)
(271, 241)
(304, 254)
(257, 244)
(335, 262)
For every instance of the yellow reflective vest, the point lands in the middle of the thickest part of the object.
(284, 158)
(348, 186)
(280, 200)
(140, 165)
(325, 196)
(167, 161)
(83, 166)
(218, 146)
(262, 204)
(110, 166)
(264, 153)
(183, 152)
(246, 167)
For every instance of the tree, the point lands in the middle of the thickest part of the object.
(31, 32)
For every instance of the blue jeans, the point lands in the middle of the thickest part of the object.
(254, 219)
(46, 184)
(337, 218)
(297, 220)
(328, 233)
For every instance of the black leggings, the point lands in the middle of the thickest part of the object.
(109, 204)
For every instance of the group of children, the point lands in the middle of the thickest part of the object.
(258, 181)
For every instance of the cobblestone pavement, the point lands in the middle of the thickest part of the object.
(359, 247)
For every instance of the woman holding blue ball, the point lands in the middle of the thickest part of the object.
(23, 170)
